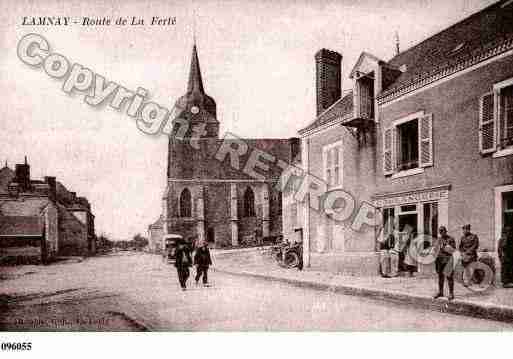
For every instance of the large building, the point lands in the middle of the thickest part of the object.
(223, 190)
(426, 138)
(41, 220)
(155, 236)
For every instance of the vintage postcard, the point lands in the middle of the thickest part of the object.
(249, 166)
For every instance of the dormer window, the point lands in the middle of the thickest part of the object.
(365, 96)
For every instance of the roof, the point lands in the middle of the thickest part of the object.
(221, 169)
(63, 194)
(27, 207)
(6, 176)
(341, 108)
(458, 42)
(21, 226)
(66, 218)
(158, 223)
(361, 58)
(195, 80)
(195, 95)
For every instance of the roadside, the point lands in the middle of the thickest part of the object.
(495, 303)
(63, 296)
(66, 310)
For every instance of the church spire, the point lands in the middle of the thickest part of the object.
(195, 80)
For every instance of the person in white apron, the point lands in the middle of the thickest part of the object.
(385, 248)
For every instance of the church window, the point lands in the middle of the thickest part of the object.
(249, 203)
(185, 203)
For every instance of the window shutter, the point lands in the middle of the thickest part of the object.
(487, 135)
(426, 141)
(388, 145)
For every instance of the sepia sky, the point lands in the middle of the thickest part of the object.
(257, 63)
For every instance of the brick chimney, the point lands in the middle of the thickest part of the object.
(52, 192)
(328, 68)
(23, 176)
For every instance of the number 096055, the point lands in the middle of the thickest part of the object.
(9, 346)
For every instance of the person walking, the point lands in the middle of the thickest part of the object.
(444, 264)
(202, 261)
(505, 252)
(182, 263)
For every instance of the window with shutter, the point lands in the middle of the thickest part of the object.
(407, 135)
(486, 124)
(426, 141)
(506, 117)
(408, 145)
(332, 162)
(388, 167)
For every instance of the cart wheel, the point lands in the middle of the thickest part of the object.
(291, 260)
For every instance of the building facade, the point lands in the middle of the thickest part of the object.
(155, 236)
(425, 137)
(41, 219)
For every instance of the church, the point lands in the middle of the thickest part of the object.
(211, 197)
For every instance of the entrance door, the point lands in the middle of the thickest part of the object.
(507, 210)
(211, 235)
(408, 229)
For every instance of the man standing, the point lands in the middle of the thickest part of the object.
(468, 249)
(506, 257)
(443, 263)
(203, 261)
(182, 263)
(468, 246)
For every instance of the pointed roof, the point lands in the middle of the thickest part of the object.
(195, 80)
(195, 95)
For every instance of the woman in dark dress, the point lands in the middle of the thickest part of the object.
(506, 257)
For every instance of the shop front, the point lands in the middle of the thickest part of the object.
(409, 214)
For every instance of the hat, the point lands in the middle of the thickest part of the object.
(466, 226)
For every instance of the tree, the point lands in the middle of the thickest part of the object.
(139, 242)
(103, 243)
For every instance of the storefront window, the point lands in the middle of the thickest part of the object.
(388, 221)
(431, 219)
(409, 208)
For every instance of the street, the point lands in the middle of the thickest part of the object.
(137, 291)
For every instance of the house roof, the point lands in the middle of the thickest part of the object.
(158, 223)
(27, 207)
(341, 108)
(454, 44)
(68, 219)
(361, 58)
(21, 226)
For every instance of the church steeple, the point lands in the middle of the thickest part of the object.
(196, 106)
(195, 80)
